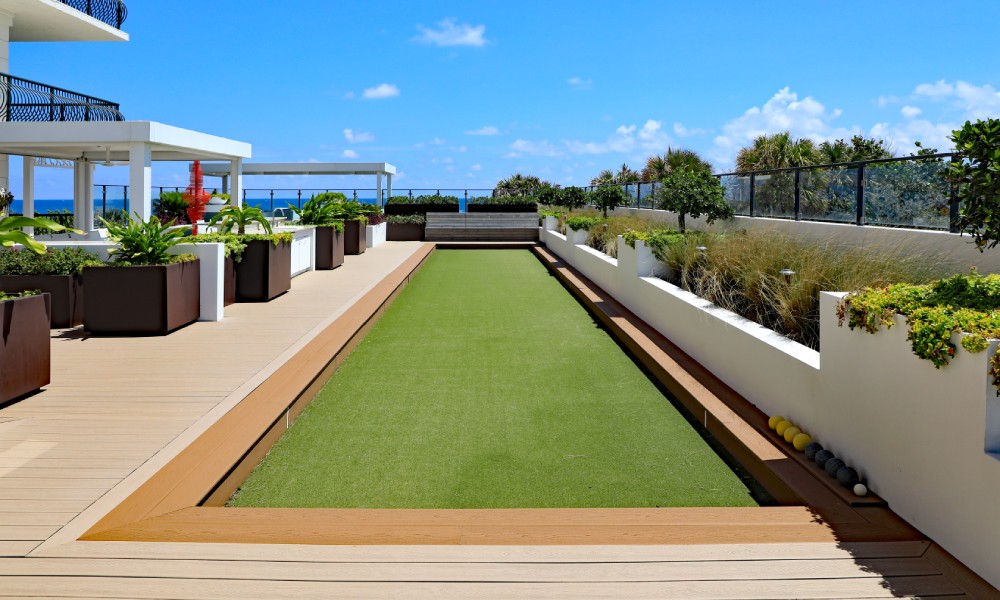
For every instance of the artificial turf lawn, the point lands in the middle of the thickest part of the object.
(486, 385)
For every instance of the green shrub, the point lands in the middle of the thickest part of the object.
(695, 193)
(505, 200)
(16, 295)
(583, 223)
(399, 200)
(69, 261)
(171, 206)
(274, 238)
(435, 199)
(976, 171)
(407, 219)
(573, 198)
(656, 239)
(146, 242)
(608, 197)
(234, 244)
(334, 197)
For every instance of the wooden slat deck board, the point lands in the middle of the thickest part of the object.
(128, 427)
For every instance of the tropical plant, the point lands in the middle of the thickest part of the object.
(62, 217)
(316, 212)
(11, 231)
(975, 171)
(353, 211)
(145, 242)
(859, 148)
(239, 217)
(6, 199)
(171, 206)
(776, 151)
(695, 193)
(608, 197)
(657, 166)
(334, 197)
(66, 261)
(115, 215)
(622, 176)
(519, 185)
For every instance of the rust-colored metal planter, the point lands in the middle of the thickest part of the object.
(141, 300)
(25, 346)
(66, 293)
(405, 232)
(265, 271)
(229, 281)
(329, 248)
(355, 240)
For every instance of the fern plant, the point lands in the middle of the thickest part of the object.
(239, 217)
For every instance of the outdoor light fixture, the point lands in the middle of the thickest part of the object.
(702, 249)
(787, 274)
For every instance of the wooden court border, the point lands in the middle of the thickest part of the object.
(183, 501)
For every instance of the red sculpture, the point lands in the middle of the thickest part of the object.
(196, 197)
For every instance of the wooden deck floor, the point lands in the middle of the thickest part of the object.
(118, 409)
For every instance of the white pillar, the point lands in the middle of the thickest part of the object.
(236, 181)
(378, 189)
(140, 180)
(388, 185)
(88, 196)
(6, 22)
(79, 194)
(28, 190)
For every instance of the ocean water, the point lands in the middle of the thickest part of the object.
(44, 206)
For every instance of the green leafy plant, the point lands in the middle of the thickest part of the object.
(333, 197)
(171, 206)
(224, 197)
(6, 199)
(406, 219)
(572, 198)
(583, 223)
(657, 239)
(11, 231)
(399, 200)
(146, 242)
(274, 238)
(608, 197)
(352, 211)
(16, 295)
(434, 199)
(976, 171)
(318, 212)
(68, 261)
(239, 217)
(234, 244)
(504, 200)
(693, 192)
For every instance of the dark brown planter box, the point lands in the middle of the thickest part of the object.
(355, 240)
(405, 232)
(146, 300)
(265, 271)
(329, 248)
(502, 208)
(229, 281)
(419, 209)
(25, 346)
(66, 293)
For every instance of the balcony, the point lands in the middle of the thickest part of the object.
(30, 101)
(110, 12)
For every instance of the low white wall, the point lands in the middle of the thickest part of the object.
(375, 235)
(950, 247)
(303, 248)
(212, 257)
(925, 439)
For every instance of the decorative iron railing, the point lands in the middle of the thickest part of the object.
(26, 100)
(112, 12)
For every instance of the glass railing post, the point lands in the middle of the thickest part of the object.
(753, 177)
(798, 196)
(953, 213)
(860, 217)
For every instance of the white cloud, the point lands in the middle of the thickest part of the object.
(884, 101)
(476, 167)
(349, 154)
(382, 90)
(437, 141)
(450, 33)
(975, 101)
(540, 148)
(935, 91)
(901, 136)
(461, 149)
(580, 84)
(910, 111)
(484, 130)
(626, 139)
(682, 131)
(358, 137)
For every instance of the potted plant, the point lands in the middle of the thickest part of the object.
(25, 348)
(265, 270)
(233, 248)
(405, 228)
(144, 290)
(322, 214)
(55, 272)
(355, 220)
(171, 207)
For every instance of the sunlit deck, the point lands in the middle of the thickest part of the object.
(119, 409)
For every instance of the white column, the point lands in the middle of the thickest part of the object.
(6, 22)
(28, 190)
(88, 196)
(236, 181)
(79, 195)
(388, 185)
(140, 180)
(378, 189)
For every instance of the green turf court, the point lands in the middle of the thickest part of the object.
(486, 385)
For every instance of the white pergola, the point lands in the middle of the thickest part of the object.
(136, 143)
(377, 169)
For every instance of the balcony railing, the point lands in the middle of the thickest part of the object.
(26, 100)
(112, 12)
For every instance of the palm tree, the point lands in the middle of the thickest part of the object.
(519, 185)
(623, 176)
(776, 151)
(659, 167)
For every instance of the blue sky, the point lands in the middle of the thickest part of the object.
(459, 94)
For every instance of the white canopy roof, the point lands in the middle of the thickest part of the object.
(304, 169)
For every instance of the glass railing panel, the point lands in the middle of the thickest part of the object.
(829, 194)
(737, 193)
(907, 194)
(774, 195)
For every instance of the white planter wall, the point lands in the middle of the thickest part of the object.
(303, 248)
(375, 235)
(213, 261)
(926, 439)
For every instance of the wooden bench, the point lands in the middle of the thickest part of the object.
(469, 227)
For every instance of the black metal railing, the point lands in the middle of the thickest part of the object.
(26, 100)
(892, 192)
(112, 12)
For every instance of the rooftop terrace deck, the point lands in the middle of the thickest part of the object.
(119, 408)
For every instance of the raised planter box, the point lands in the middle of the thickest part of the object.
(65, 291)
(355, 240)
(147, 300)
(375, 234)
(419, 209)
(405, 232)
(265, 271)
(25, 347)
(502, 208)
(229, 281)
(329, 248)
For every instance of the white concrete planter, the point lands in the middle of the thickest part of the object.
(303, 249)
(375, 234)
(213, 261)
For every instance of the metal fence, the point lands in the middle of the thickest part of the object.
(111, 12)
(26, 100)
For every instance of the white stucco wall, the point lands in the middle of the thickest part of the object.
(925, 439)
(375, 235)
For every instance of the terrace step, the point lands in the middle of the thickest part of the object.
(442, 227)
